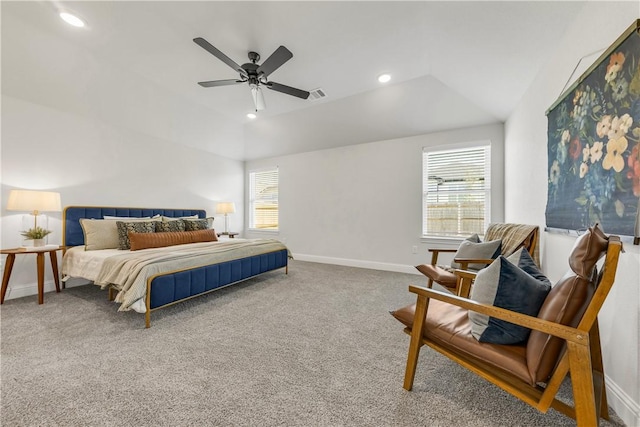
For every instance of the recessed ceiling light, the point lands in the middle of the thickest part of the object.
(251, 116)
(71, 19)
(383, 78)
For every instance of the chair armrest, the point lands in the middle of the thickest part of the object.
(465, 280)
(474, 260)
(466, 274)
(435, 252)
(565, 332)
(464, 262)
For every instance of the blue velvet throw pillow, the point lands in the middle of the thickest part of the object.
(507, 285)
(523, 259)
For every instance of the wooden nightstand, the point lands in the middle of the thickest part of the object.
(11, 257)
(230, 235)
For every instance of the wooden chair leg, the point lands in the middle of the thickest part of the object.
(416, 342)
(598, 392)
(458, 290)
(582, 383)
(598, 367)
(434, 261)
(464, 287)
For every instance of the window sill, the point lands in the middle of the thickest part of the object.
(260, 231)
(442, 240)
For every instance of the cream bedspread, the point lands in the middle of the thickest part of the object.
(85, 264)
(128, 272)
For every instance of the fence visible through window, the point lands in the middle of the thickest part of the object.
(263, 202)
(456, 191)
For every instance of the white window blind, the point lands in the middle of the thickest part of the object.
(456, 191)
(263, 199)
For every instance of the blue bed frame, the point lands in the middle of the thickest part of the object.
(169, 288)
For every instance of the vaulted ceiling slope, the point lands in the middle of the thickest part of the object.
(453, 65)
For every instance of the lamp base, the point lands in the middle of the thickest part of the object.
(30, 221)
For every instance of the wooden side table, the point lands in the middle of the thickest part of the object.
(11, 257)
(230, 234)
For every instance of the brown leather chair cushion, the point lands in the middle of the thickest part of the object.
(438, 274)
(159, 240)
(566, 302)
(449, 326)
(587, 250)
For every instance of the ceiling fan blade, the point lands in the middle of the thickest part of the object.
(288, 90)
(214, 83)
(221, 56)
(277, 58)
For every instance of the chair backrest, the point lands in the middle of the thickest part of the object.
(515, 236)
(571, 298)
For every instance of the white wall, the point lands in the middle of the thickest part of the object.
(595, 28)
(361, 205)
(103, 135)
(91, 162)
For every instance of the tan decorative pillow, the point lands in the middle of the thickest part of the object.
(103, 233)
(158, 240)
(99, 234)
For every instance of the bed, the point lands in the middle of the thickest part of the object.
(150, 276)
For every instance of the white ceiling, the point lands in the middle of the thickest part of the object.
(453, 64)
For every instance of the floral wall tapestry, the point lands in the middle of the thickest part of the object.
(594, 145)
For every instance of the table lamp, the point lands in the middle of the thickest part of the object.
(226, 208)
(34, 202)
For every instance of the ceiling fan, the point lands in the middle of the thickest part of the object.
(254, 74)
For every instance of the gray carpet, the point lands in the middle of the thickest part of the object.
(316, 347)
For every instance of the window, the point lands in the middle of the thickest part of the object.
(263, 200)
(456, 191)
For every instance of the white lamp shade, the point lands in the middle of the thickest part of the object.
(34, 201)
(225, 208)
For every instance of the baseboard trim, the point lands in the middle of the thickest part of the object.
(622, 403)
(32, 288)
(28, 290)
(373, 265)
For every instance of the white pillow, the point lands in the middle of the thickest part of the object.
(172, 218)
(127, 218)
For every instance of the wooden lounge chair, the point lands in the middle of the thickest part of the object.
(564, 337)
(513, 236)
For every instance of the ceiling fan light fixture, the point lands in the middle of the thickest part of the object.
(258, 98)
(251, 115)
(72, 19)
(384, 78)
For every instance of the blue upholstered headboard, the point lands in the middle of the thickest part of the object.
(72, 234)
